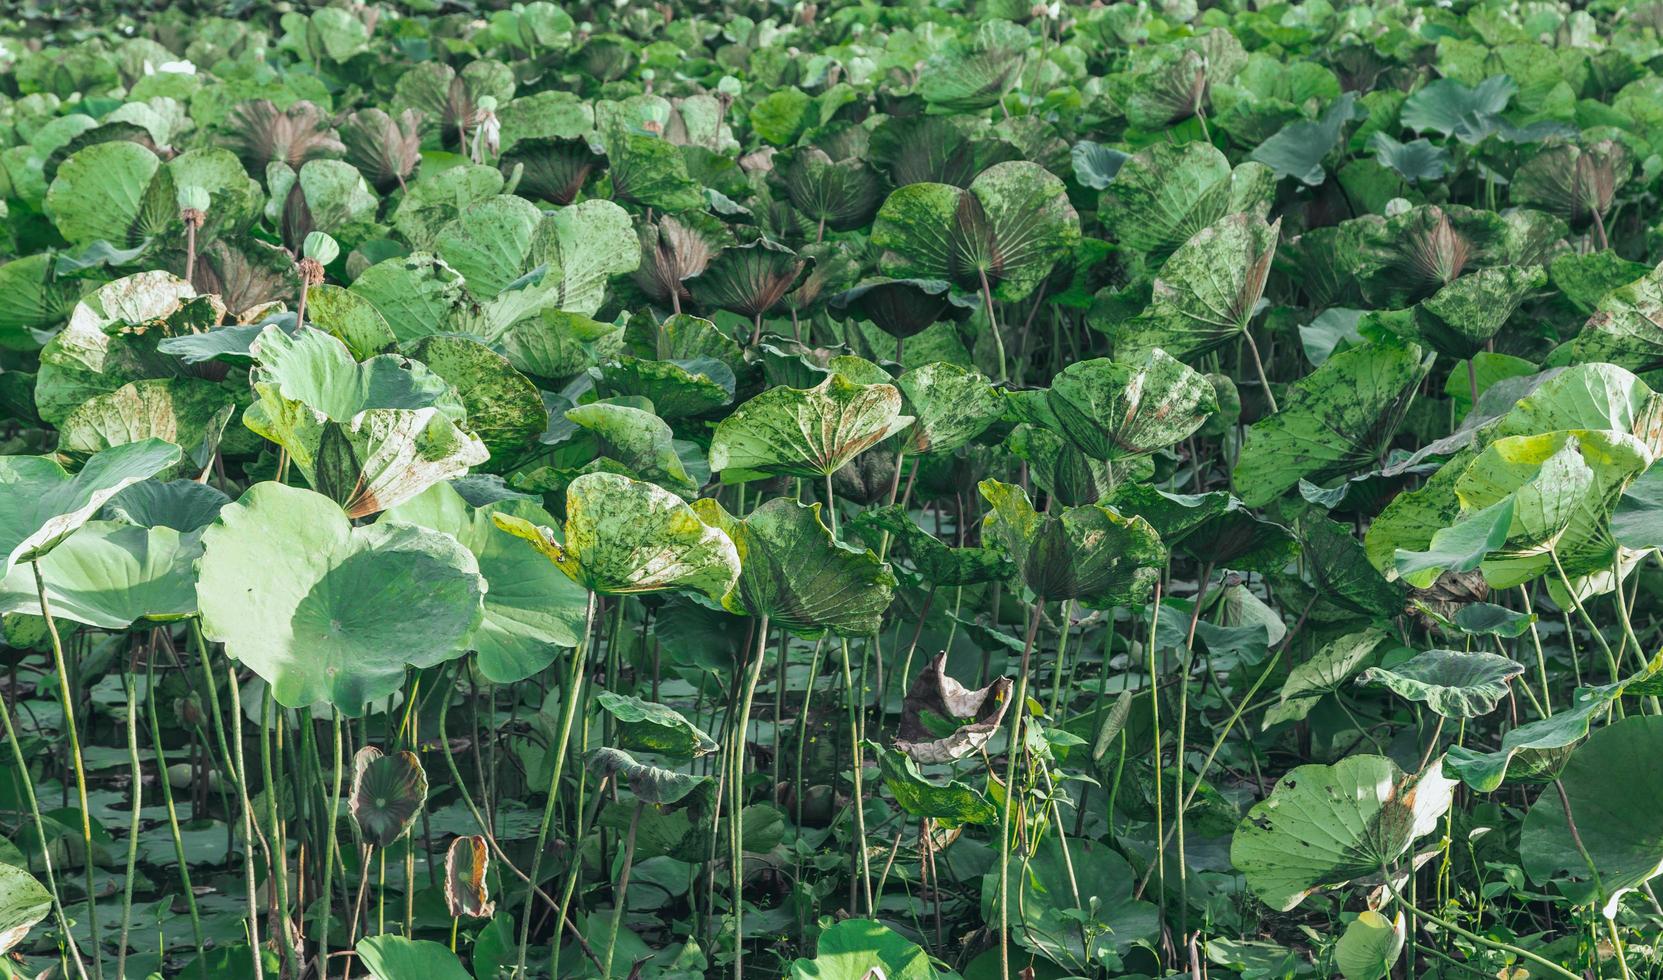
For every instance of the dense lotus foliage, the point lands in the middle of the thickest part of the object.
(928, 491)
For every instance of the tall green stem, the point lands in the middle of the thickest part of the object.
(172, 813)
(248, 825)
(736, 817)
(1018, 707)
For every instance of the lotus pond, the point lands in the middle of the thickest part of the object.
(924, 491)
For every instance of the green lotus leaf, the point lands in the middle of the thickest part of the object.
(556, 345)
(1059, 468)
(1452, 108)
(392, 957)
(1297, 150)
(683, 337)
(936, 149)
(183, 505)
(554, 168)
(235, 198)
(583, 247)
(1116, 410)
(45, 504)
(24, 903)
(1416, 160)
(797, 574)
(649, 784)
(624, 537)
(388, 794)
(1335, 421)
(950, 405)
(1071, 889)
(1087, 552)
(1096, 165)
(1207, 291)
(1461, 547)
(323, 195)
(440, 195)
(1624, 327)
(1453, 683)
(1563, 486)
(852, 948)
(807, 431)
(1535, 751)
(369, 435)
(531, 610)
(650, 172)
(489, 242)
(1576, 183)
(637, 439)
(942, 721)
(1404, 258)
(503, 408)
(113, 336)
(749, 279)
(937, 562)
(836, 194)
(111, 576)
(902, 308)
(955, 804)
(677, 389)
(1323, 826)
(189, 413)
(1637, 520)
(1325, 673)
(1211, 527)
(1463, 316)
(973, 71)
(324, 611)
(1009, 227)
(1336, 568)
(32, 297)
(1370, 946)
(647, 726)
(98, 193)
(351, 318)
(1167, 193)
(1614, 794)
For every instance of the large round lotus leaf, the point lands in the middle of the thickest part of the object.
(1453, 683)
(235, 197)
(1462, 317)
(1407, 257)
(647, 726)
(187, 412)
(651, 172)
(950, 405)
(1335, 421)
(1563, 486)
(350, 318)
(1574, 182)
(639, 440)
(748, 279)
(391, 957)
(1534, 751)
(974, 70)
(556, 344)
(531, 609)
(1059, 468)
(934, 149)
(1452, 108)
(331, 195)
(1010, 227)
(504, 408)
(98, 192)
(624, 537)
(649, 784)
(678, 389)
(488, 242)
(1088, 552)
(111, 575)
(853, 948)
(955, 804)
(1298, 149)
(1115, 410)
(807, 431)
(1059, 900)
(839, 194)
(99, 351)
(324, 611)
(32, 298)
(1207, 291)
(794, 572)
(184, 505)
(1614, 790)
(369, 435)
(388, 793)
(1167, 192)
(583, 246)
(440, 196)
(1323, 826)
(43, 504)
(1211, 527)
(1370, 946)
(554, 168)
(418, 295)
(1624, 329)
(24, 902)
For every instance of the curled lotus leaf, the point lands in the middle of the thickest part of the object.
(1088, 552)
(943, 721)
(807, 431)
(1462, 316)
(1401, 259)
(1166, 193)
(647, 726)
(650, 784)
(950, 405)
(625, 537)
(836, 194)
(749, 279)
(1116, 410)
(953, 805)
(1625, 327)
(467, 890)
(1453, 683)
(1211, 527)
(675, 249)
(937, 562)
(677, 389)
(1324, 826)
(111, 576)
(45, 504)
(1535, 751)
(553, 168)
(903, 308)
(1370, 946)
(1577, 183)
(388, 793)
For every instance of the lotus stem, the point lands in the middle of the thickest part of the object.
(620, 896)
(736, 816)
(137, 804)
(248, 827)
(172, 813)
(1018, 708)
